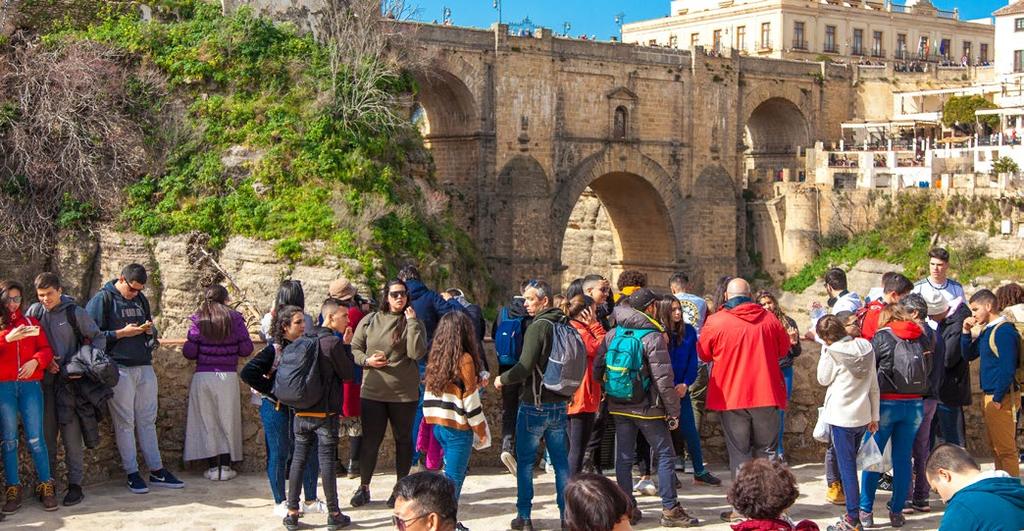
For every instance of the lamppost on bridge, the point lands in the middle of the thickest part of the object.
(446, 16)
(620, 18)
(497, 5)
(565, 28)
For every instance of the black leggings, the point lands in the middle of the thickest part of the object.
(509, 408)
(375, 416)
(580, 426)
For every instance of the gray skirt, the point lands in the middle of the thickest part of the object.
(214, 424)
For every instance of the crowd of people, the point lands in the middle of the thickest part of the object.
(591, 380)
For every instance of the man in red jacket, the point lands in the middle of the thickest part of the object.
(744, 342)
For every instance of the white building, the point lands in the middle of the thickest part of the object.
(1010, 40)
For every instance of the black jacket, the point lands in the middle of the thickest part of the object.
(884, 344)
(259, 372)
(336, 367)
(955, 382)
(84, 386)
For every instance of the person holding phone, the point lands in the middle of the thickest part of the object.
(123, 313)
(388, 344)
(24, 356)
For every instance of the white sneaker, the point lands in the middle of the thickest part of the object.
(646, 487)
(281, 509)
(227, 473)
(313, 507)
(211, 474)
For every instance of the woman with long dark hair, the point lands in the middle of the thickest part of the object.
(451, 398)
(388, 344)
(682, 349)
(582, 314)
(768, 301)
(217, 339)
(289, 293)
(288, 325)
(24, 355)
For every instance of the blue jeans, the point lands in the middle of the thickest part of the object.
(532, 423)
(899, 421)
(846, 444)
(951, 423)
(25, 398)
(787, 375)
(416, 422)
(457, 445)
(277, 434)
(657, 435)
(688, 432)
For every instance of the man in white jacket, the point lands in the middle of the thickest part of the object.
(847, 367)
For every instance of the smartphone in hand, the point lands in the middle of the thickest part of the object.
(31, 331)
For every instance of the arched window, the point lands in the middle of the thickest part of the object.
(620, 125)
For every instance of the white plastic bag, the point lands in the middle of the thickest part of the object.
(822, 431)
(887, 457)
(869, 457)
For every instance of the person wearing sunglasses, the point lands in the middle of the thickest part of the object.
(24, 356)
(123, 313)
(387, 344)
(425, 501)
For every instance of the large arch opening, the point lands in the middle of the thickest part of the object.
(776, 135)
(619, 222)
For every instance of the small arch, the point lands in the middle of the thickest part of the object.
(776, 126)
(620, 125)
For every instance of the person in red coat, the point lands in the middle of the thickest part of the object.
(744, 342)
(24, 355)
(344, 292)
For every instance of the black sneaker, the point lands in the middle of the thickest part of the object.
(361, 496)
(337, 521)
(73, 496)
(391, 502)
(136, 485)
(885, 482)
(521, 524)
(164, 478)
(459, 526)
(921, 506)
(291, 521)
(706, 478)
(353, 468)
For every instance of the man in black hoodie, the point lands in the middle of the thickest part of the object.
(955, 379)
(123, 314)
(517, 317)
(322, 420)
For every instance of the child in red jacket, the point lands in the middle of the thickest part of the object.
(24, 356)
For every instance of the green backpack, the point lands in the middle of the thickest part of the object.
(624, 378)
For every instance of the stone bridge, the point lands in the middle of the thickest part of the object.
(669, 140)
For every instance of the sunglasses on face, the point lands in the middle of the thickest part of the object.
(402, 525)
(15, 299)
(397, 294)
(132, 289)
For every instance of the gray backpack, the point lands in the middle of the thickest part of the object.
(567, 364)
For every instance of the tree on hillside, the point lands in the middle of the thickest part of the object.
(958, 113)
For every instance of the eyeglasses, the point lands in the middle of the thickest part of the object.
(401, 525)
(17, 299)
(397, 294)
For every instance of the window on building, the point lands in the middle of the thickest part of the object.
(830, 39)
(946, 48)
(766, 36)
(983, 53)
(967, 50)
(716, 40)
(858, 42)
(798, 36)
(673, 41)
(694, 40)
(901, 45)
(1018, 61)
(876, 44)
(741, 38)
(1018, 24)
(621, 121)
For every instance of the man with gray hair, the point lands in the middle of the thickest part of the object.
(542, 413)
(744, 342)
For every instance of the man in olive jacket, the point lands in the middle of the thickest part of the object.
(542, 414)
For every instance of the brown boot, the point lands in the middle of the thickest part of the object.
(47, 495)
(12, 499)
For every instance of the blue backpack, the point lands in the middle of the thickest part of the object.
(624, 378)
(508, 338)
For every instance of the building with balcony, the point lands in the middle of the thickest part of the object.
(849, 31)
(1010, 31)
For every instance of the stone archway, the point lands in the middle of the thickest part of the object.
(776, 134)
(643, 205)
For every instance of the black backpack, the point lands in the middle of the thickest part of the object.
(299, 382)
(910, 368)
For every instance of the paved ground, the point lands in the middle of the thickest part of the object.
(488, 503)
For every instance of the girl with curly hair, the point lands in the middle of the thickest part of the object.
(763, 491)
(451, 399)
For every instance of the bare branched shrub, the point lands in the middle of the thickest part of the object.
(76, 132)
(368, 54)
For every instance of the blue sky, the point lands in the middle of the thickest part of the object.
(596, 17)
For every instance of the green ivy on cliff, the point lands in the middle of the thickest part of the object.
(243, 84)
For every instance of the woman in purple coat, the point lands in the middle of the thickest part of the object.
(217, 338)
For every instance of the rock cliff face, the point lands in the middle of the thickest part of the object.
(589, 245)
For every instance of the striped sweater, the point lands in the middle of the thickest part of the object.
(460, 408)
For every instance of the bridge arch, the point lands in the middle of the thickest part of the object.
(776, 130)
(643, 204)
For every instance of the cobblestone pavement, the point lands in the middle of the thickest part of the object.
(488, 504)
